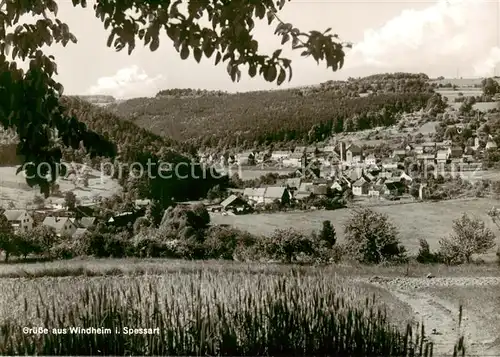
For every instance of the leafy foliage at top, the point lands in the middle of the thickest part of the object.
(490, 86)
(470, 236)
(216, 119)
(372, 238)
(29, 100)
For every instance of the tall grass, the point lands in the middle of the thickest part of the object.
(209, 314)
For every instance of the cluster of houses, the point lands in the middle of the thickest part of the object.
(335, 168)
(66, 222)
(23, 220)
(443, 152)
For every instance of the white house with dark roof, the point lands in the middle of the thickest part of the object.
(20, 220)
(360, 187)
(279, 193)
(354, 154)
(256, 195)
(442, 156)
(79, 232)
(370, 160)
(293, 160)
(280, 155)
(62, 225)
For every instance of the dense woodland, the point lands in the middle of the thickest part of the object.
(217, 119)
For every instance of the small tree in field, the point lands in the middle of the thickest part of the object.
(38, 201)
(470, 236)
(328, 234)
(70, 200)
(7, 237)
(372, 238)
(287, 244)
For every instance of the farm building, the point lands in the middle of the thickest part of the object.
(79, 233)
(354, 154)
(393, 188)
(125, 218)
(84, 222)
(235, 204)
(280, 194)
(294, 160)
(61, 225)
(442, 157)
(256, 195)
(360, 187)
(20, 220)
(246, 158)
(371, 160)
(455, 152)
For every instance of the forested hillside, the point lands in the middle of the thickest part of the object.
(134, 145)
(309, 114)
(139, 146)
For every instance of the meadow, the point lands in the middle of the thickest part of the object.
(208, 313)
(427, 220)
(13, 188)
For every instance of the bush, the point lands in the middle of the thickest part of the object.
(189, 248)
(470, 236)
(328, 234)
(221, 242)
(231, 243)
(337, 253)
(104, 244)
(146, 245)
(287, 245)
(63, 250)
(372, 239)
(425, 256)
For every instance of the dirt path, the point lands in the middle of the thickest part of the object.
(442, 315)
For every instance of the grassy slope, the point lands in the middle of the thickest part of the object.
(91, 267)
(429, 220)
(14, 188)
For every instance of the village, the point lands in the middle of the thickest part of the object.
(336, 170)
(341, 168)
(68, 220)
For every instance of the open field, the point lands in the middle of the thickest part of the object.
(428, 128)
(459, 82)
(135, 267)
(428, 220)
(14, 188)
(250, 296)
(208, 313)
(251, 173)
(484, 107)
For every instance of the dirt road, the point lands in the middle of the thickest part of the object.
(424, 296)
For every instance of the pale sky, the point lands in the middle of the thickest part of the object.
(434, 37)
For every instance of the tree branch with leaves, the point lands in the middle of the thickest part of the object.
(30, 100)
